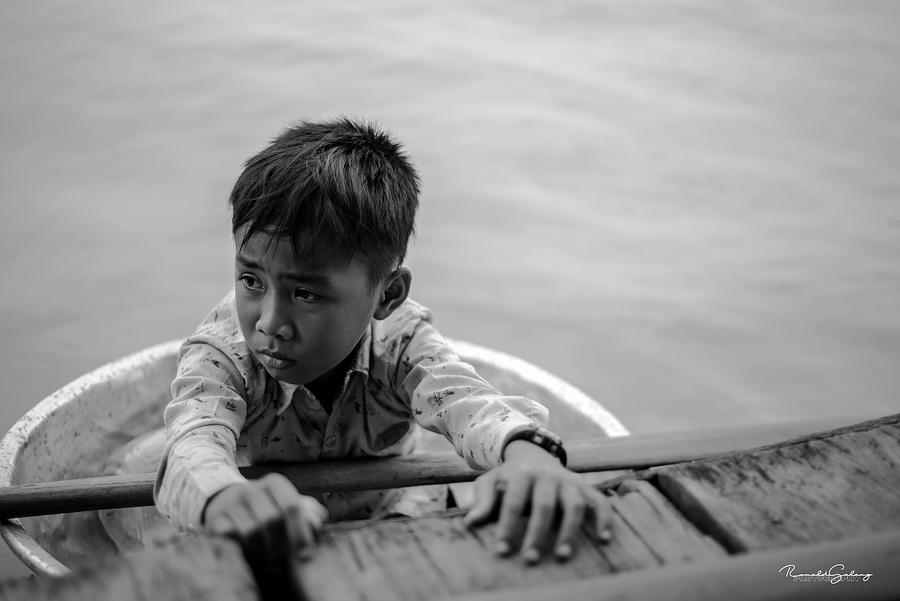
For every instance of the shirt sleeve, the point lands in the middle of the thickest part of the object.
(448, 396)
(203, 422)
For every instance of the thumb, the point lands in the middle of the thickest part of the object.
(486, 499)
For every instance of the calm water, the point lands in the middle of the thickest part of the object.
(690, 210)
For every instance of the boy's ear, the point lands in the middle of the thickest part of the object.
(395, 291)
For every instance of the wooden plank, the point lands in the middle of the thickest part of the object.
(631, 452)
(436, 556)
(668, 535)
(356, 560)
(825, 487)
(187, 567)
(478, 568)
(758, 576)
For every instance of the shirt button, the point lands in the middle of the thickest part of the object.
(329, 442)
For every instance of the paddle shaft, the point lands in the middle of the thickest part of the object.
(593, 455)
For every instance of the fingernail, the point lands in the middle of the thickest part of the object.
(606, 536)
(531, 555)
(502, 547)
(564, 551)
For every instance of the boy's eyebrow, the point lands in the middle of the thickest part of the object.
(310, 278)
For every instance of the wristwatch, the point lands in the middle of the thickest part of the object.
(545, 439)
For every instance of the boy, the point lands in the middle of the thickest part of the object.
(319, 353)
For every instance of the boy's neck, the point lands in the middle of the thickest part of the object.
(326, 388)
(329, 385)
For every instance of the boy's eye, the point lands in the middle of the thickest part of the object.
(307, 295)
(251, 282)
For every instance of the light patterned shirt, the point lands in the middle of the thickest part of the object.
(228, 411)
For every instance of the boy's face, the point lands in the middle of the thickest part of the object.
(299, 321)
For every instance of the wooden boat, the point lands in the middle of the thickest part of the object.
(809, 517)
(817, 517)
(69, 435)
(812, 518)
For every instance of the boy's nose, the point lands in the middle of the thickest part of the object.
(274, 320)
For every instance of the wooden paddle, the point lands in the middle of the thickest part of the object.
(591, 455)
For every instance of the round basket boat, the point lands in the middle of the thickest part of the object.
(71, 432)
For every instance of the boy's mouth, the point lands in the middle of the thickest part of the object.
(274, 360)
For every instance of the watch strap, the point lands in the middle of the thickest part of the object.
(545, 439)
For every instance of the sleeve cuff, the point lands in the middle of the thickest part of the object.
(191, 472)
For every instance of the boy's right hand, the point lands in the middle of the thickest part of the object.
(268, 517)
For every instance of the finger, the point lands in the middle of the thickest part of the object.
(270, 535)
(486, 497)
(239, 525)
(239, 531)
(318, 513)
(303, 516)
(223, 523)
(600, 513)
(574, 508)
(512, 507)
(279, 485)
(242, 518)
(288, 496)
(543, 512)
(295, 510)
(300, 531)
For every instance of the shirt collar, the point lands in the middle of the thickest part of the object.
(285, 399)
(364, 353)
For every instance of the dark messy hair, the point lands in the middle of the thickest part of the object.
(338, 189)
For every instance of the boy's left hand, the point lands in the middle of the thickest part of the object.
(530, 477)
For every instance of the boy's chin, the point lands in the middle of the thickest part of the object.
(291, 376)
(288, 378)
